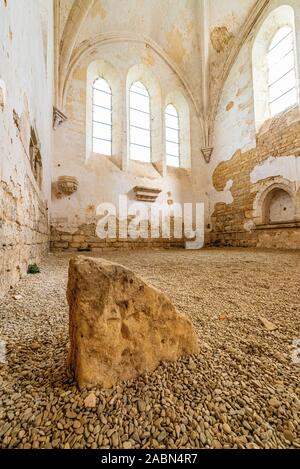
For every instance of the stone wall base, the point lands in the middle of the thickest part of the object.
(277, 238)
(24, 231)
(85, 239)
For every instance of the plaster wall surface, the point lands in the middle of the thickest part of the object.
(26, 81)
(252, 161)
(103, 179)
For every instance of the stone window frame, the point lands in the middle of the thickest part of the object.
(177, 99)
(95, 122)
(120, 87)
(143, 74)
(102, 69)
(283, 15)
(133, 126)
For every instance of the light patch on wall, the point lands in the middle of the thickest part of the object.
(148, 58)
(224, 196)
(79, 74)
(286, 166)
(220, 38)
(2, 94)
(98, 10)
(175, 45)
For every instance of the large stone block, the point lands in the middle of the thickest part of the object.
(120, 327)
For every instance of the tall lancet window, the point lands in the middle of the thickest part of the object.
(102, 117)
(282, 72)
(140, 123)
(172, 136)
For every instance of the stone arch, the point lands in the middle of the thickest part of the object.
(77, 16)
(275, 202)
(107, 38)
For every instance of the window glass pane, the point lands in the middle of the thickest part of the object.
(102, 131)
(101, 146)
(282, 75)
(283, 85)
(280, 35)
(102, 99)
(173, 161)
(139, 119)
(172, 149)
(139, 102)
(278, 70)
(171, 121)
(142, 137)
(172, 135)
(101, 115)
(282, 49)
(170, 109)
(140, 128)
(138, 87)
(283, 102)
(102, 85)
(140, 153)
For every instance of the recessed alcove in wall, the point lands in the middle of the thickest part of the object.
(278, 207)
(275, 204)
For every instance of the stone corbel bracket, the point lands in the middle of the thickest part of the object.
(66, 185)
(146, 194)
(207, 153)
(58, 118)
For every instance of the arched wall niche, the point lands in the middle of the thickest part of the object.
(277, 202)
(278, 207)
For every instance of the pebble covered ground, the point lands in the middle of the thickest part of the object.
(242, 391)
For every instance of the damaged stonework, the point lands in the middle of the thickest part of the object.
(220, 38)
(265, 211)
(85, 238)
(25, 233)
(120, 326)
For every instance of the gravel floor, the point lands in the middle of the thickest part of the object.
(242, 391)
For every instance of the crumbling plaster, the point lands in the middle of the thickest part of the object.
(235, 138)
(28, 85)
(102, 179)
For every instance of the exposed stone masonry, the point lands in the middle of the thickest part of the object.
(24, 237)
(278, 138)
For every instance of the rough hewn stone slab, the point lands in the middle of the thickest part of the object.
(120, 326)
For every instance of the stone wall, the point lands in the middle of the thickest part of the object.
(26, 84)
(243, 222)
(166, 58)
(254, 198)
(85, 238)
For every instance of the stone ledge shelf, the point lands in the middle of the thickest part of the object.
(146, 194)
(278, 225)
